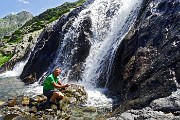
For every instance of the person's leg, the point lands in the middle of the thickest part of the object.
(48, 93)
(56, 94)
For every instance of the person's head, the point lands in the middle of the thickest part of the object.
(57, 72)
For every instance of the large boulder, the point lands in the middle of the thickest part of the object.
(35, 107)
(166, 108)
(167, 104)
(146, 114)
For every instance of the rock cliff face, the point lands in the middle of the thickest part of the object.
(147, 62)
(20, 50)
(11, 23)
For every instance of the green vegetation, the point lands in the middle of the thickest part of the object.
(4, 31)
(16, 37)
(43, 19)
(36, 23)
(50, 15)
(4, 59)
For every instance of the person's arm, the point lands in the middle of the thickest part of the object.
(51, 81)
(57, 85)
(63, 86)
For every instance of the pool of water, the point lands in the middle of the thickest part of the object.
(10, 87)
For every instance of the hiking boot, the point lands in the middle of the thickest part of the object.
(52, 103)
(49, 103)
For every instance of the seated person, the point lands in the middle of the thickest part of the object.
(52, 82)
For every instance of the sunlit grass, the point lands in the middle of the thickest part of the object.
(4, 59)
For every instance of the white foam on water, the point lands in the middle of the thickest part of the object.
(17, 70)
(33, 89)
(98, 99)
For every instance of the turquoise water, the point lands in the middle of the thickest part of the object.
(10, 87)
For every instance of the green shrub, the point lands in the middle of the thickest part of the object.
(51, 15)
(6, 37)
(4, 59)
(42, 20)
(17, 32)
(15, 38)
(30, 38)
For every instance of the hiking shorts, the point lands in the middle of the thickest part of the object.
(48, 93)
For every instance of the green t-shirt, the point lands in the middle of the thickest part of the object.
(48, 82)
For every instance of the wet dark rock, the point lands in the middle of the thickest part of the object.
(30, 79)
(169, 104)
(145, 114)
(45, 59)
(51, 38)
(146, 65)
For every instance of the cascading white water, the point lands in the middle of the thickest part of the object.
(111, 20)
(17, 70)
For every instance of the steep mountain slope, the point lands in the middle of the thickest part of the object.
(16, 47)
(11, 23)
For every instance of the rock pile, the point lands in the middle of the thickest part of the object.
(72, 107)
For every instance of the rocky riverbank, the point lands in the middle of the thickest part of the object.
(167, 108)
(71, 107)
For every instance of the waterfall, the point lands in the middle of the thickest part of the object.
(111, 20)
(16, 71)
